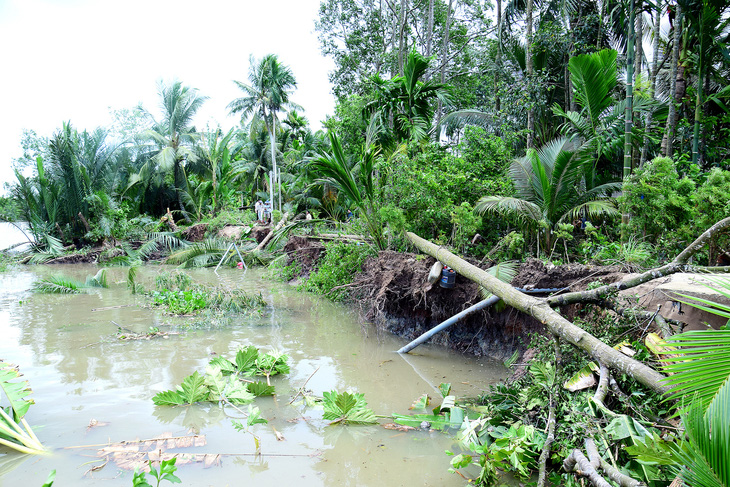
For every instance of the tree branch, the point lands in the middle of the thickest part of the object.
(541, 310)
(679, 264)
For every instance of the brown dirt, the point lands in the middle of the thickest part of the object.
(392, 293)
(259, 233)
(535, 274)
(306, 252)
(195, 233)
(233, 232)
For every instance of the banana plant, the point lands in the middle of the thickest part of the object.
(14, 430)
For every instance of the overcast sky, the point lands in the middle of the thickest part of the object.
(75, 60)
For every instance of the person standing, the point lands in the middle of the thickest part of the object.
(267, 211)
(259, 207)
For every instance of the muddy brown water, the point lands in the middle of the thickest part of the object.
(81, 373)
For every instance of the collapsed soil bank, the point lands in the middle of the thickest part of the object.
(391, 291)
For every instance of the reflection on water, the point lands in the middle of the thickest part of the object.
(79, 371)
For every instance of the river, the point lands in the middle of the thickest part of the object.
(91, 388)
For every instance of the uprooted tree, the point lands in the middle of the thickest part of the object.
(546, 310)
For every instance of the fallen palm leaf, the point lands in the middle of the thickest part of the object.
(14, 430)
(421, 403)
(658, 345)
(136, 454)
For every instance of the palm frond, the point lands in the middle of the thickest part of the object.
(509, 206)
(702, 457)
(58, 285)
(98, 280)
(700, 366)
(504, 271)
(202, 254)
(719, 285)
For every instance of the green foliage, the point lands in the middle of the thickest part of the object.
(632, 254)
(207, 253)
(395, 219)
(180, 302)
(285, 272)
(49, 480)
(430, 185)
(15, 432)
(551, 188)
(58, 285)
(660, 204)
(98, 280)
(347, 408)
(193, 389)
(180, 295)
(701, 367)
(405, 104)
(355, 181)
(340, 263)
(108, 218)
(222, 379)
(166, 473)
(466, 223)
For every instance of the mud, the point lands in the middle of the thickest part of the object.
(534, 274)
(259, 233)
(304, 251)
(392, 292)
(195, 233)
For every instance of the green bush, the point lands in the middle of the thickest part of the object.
(430, 185)
(660, 204)
(339, 265)
(671, 211)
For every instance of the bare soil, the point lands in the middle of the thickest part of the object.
(195, 233)
(392, 292)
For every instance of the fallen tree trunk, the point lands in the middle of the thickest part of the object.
(268, 237)
(541, 310)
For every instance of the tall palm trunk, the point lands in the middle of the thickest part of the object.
(272, 138)
(497, 101)
(401, 35)
(668, 139)
(444, 58)
(429, 29)
(529, 69)
(628, 114)
(699, 89)
(652, 78)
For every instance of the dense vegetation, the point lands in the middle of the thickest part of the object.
(539, 129)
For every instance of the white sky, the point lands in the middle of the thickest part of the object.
(75, 60)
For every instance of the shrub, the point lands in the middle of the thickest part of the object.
(339, 265)
(660, 204)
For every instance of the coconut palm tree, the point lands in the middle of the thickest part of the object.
(266, 94)
(219, 166)
(550, 189)
(173, 137)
